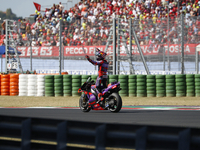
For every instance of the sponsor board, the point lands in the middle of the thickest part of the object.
(53, 51)
(95, 72)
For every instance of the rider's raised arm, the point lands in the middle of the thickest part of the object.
(96, 62)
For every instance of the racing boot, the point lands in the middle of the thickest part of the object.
(100, 98)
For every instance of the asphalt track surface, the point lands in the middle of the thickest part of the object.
(178, 118)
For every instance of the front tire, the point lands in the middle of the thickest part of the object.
(117, 102)
(83, 107)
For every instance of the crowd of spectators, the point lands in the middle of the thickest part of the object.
(89, 21)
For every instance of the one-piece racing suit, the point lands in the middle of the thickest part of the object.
(102, 73)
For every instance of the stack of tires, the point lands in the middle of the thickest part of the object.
(67, 85)
(113, 78)
(58, 85)
(197, 84)
(14, 80)
(84, 78)
(151, 85)
(32, 85)
(23, 83)
(180, 85)
(123, 79)
(40, 85)
(141, 86)
(190, 86)
(5, 84)
(170, 85)
(160, 86)
(94, 77)
(132, 85)
(49, 85)
(76, 84)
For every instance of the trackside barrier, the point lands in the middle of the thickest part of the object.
(35, 133)
(132, 85)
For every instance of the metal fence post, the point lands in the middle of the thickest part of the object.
(168, 39)
(60, 46)
(31, 55)
(114, 46)
(63, 58)
(130, 45)
(182, 44)
(197, 60)
(95, 50)
(26, 135)
(140, 51)
(6, 48)
(118, 47)
(1, 64)
(141, 136)
(62, 136)
(163, 50)
(100, 137)
(184, 140)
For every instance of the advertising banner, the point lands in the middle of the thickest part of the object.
(53, 51)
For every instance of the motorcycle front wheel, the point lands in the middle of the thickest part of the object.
(83, 104)
(116, 100)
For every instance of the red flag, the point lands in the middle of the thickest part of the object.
(37, 6)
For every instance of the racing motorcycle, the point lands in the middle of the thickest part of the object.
(111, 98)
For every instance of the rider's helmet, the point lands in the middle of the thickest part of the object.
(100, 55)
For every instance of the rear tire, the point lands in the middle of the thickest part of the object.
(117, 102)
(84, 108)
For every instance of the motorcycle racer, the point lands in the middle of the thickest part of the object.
(102, 71)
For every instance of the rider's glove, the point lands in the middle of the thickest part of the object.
(86, 56)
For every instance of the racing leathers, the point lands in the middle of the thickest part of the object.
(102, 73)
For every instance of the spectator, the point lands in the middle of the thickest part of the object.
(23, 27)
(36, 14)
(88, 22)
(33, 43)
(53, 42)
(20, 43)
(3, 25)
(28, 31)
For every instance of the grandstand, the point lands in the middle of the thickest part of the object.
(87, 23)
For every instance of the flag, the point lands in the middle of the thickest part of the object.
(37, 6)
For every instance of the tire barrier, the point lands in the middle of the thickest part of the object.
(180, 85)
(32, 85)
(14, 87)
(58, 85)
(170, 85)
(40, 85)
(123, 79)
(197, 84)
(160, 86)
(84, 78)
(94, 77)
(151, 85)
(76, 84)
(5, 84)
(132, 85)
(49, 85)
(141, 86)
(67, 85)
(190, 86)
(112, 78)
(23, 83)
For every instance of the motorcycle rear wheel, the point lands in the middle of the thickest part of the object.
(117, 102)
(84, 108)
